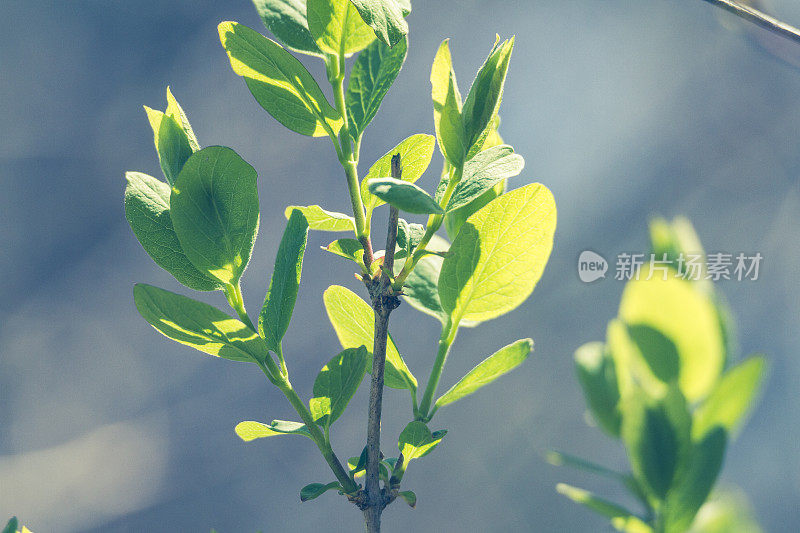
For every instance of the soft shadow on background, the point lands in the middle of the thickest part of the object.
(624, 109)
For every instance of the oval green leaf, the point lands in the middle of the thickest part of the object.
(499, 255)
(278, 81)
(214, 209)
(198, 325)
(415, 156)
(250, 430)
(484, 171)
(315, 490)
(416, 441)
(336, 384)
(447, 117)
(337, 27)
(321, 220)
(404, 195)
(385, 17)
(286, 19)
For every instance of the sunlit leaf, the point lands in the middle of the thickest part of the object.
(336, 384)
(499, 255)
(349, 249)
(501, 362)
(147, 210)
(416, 441)
(249, 430)
(354, 322)
(215, 212)
(337, 27)
(321, 220)
(278, 81)
(415, 156)
(482, 172)
(385, 17)
(286, 19)
(731, 399)
(198, 325)
(276, 313)
(447, 119)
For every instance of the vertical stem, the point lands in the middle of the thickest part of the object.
(445, 341)
(383, 302)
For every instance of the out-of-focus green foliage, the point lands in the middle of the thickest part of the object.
(660, 384)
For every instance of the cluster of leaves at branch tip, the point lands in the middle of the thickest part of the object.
(665, 384)
(200, 223)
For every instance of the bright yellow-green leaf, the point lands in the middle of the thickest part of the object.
(175, 111)
(501, 362)
(349, 249)
(415, 156)
(172, 144)
(499, 255)
(731, 399)
(249, 430)
(215, 212)
(198, 325)
(416, 441)
(685, 316)
(447, 118)
(278, 81)
(385, 17)
(322, 220)
(336, 384)
(354, 322)
(337, 27)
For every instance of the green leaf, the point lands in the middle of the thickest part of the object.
(337, 27)
(385, 17)
(172, 144)
(686, 316)
(416, 441)
(499, 255)
(484, 171)
(315, 490)
(447, 117)
(501, 362)
(354, 322)
(656, 435)
(147, 211)
(404, 196)
(658, 351)
(249, 430)
(731, 399)
(198, 325)
(349, 249)
(415, 156)
(485, 95)
(214, 210)
(420, 289)
(409, 235)
(337, 383)
(286, 19)
(322, 220)
(278, 81)
(273, 321)
(175, 111)
(11, 526)
(409, 497)
(453, 220)
(621, 518)
(358, 465)
(596, 374)
(374, 72)
(695, 481)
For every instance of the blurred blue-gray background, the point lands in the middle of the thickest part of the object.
(623, 108)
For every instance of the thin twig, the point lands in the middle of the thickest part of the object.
(759, 18)
(384, 301)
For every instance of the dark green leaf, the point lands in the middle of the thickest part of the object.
(598, 379)
(198, 325)
(484, 171)
(354, 322)
(11, 526)
(695, 481)
(286, 19)
(278, 81)
(315, 490)
(385, 17)
(404, 196)
(374, 72)
(250, 430)
(501, 362)
(337, 383)
(273, 321)
(147, 210)
(214, 210)
(409, 497)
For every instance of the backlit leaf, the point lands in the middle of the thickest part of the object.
(249, 430)
(415, 156)
(322, 220)
(198, 325)
(499, 255)
(278, 81)
(385, 17)
(349, 249)
(484, 171)
(337, 27)
(286, 19)
(447, 118)
(336, 384)
(404, 196)
(416, 441)
(214, 210)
